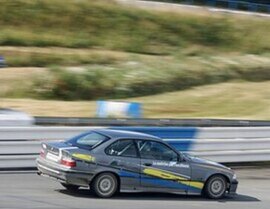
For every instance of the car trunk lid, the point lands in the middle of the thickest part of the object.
(56, 151)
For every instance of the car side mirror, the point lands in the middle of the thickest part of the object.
(181, 157)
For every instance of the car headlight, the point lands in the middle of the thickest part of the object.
(234, 177)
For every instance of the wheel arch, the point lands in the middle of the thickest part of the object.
(111, 172)
(217, 174)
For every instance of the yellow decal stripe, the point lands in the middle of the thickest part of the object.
(196, 184)
(166, 175)
(84, 157)
(162, 174)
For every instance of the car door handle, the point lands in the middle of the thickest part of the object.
(147, 164)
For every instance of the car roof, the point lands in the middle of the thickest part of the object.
(125, 134)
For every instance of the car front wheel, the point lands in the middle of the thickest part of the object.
(215, 187)
(105, 185)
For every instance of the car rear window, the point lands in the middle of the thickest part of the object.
(88, 140)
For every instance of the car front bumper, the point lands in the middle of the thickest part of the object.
(233, 187)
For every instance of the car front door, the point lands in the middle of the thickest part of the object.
(124, 156)
(161, 167)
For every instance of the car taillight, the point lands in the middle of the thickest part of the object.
(42, 153)
(68, 162)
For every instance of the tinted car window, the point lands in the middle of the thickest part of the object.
(124, 148)
(157, 151)
(88, 140)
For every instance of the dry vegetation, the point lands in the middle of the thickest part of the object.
(99, 49)
(246, 100)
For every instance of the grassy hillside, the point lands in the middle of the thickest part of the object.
(245, 100)
(100, 49)
(133, 76)
(103, 23)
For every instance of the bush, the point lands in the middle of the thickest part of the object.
(108, 82)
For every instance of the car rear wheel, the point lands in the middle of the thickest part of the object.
(215, 187)
(105, 185)
(70, 187)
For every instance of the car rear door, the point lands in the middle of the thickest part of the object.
(161, 167)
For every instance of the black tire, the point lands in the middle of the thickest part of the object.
(70, 187)
(105, 185)
(215, 187)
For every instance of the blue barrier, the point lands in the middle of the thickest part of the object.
(234, 4)
(181, 138)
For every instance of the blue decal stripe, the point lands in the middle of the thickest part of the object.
(169, 184)
(157, 181)
(129, 174)
(164, 183)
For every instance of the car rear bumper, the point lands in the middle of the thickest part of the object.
(62, 174)
(233, 187)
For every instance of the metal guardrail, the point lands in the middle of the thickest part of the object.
(79, 121)
(20, 146)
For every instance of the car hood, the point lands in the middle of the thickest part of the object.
(203, 161)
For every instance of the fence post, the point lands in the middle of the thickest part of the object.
(211, 3)
(232, 4)
(189, 1)
(252, 7)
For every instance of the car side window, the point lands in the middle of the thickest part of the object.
(88, 140)
(156, 151)
(124, 148)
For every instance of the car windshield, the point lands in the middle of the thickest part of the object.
(87, 140)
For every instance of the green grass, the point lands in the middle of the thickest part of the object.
(105, 24)
(246, 100)
(55, 56)
(131, 76)
(147, 76)
(120, 52)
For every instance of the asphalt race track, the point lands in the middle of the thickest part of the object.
(28, 190)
